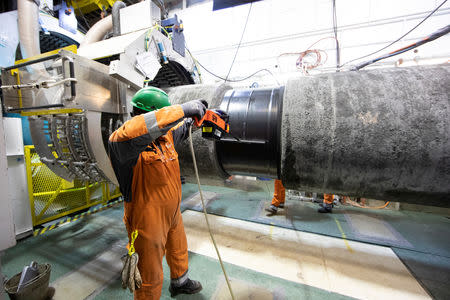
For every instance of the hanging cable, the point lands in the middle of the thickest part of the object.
(206, 214)
(338, 49)
(300, 64)
(82, 15)
(437, 34)
(429, 15)
(239, 45)
(233, 80)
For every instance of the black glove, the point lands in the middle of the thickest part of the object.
(195, 108)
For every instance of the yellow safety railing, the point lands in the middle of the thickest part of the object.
(52, 197)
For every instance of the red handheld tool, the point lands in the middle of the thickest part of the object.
(214, 124)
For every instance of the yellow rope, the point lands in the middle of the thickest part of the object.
(206, 215)
(134, 235)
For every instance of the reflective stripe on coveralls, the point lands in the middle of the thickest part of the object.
(328, 198)
(279, 193)
(143, 156)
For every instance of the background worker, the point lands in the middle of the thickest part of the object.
(327, 205)
(278, 199)
(142, 153)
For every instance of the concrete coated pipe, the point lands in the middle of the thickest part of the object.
(382, 134)
(209, 169)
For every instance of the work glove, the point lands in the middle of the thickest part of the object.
(195, 108)
(131, 278)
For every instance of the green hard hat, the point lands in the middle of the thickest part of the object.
(150, 98)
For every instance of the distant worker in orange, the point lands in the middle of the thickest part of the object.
(142, 153)
(278, 197)
(327, 205)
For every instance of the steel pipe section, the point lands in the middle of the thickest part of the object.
(253, 147)
(382, 134)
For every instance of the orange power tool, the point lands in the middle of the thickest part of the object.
(214, 124)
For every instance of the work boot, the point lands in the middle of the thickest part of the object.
(281, 205)
(325, 208)
(50, 293)
(190, 287)
(272, 209)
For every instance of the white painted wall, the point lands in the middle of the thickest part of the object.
(279, 26)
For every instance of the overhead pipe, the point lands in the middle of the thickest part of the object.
(116, 17)
(28, 23)
(98, 31)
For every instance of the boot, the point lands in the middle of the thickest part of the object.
(272, 209)
(190, 287)
(326, 208)
(50, 293)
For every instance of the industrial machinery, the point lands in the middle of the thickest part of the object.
(383, 134)
(74, 102)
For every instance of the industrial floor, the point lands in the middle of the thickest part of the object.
(297, 254)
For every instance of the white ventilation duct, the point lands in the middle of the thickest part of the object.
(98, 31)
(28, 22)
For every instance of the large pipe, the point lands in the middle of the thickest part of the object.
(98, 31)
(28, 23)
(382, 134)
(116, 16)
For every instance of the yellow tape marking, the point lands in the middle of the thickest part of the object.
(344, 237)
(51, 112)
(271, 230)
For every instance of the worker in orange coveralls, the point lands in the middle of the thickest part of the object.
(279, 195)
(327, 205)
(142, 153)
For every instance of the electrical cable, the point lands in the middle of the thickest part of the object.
(299, 62)
(206, 214)
(196, 67)
(435, 35)
(234, 80)
(353, 203)
(149, 33)
(163, 7)
(338, 49)
(239, 45)
(429, 15)
(82, 15)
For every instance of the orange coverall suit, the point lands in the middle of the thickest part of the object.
(279, 193)
(146, 164)
(328, 198)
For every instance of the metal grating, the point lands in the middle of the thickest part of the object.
(52, 197)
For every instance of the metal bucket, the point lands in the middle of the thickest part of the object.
(36, 289)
